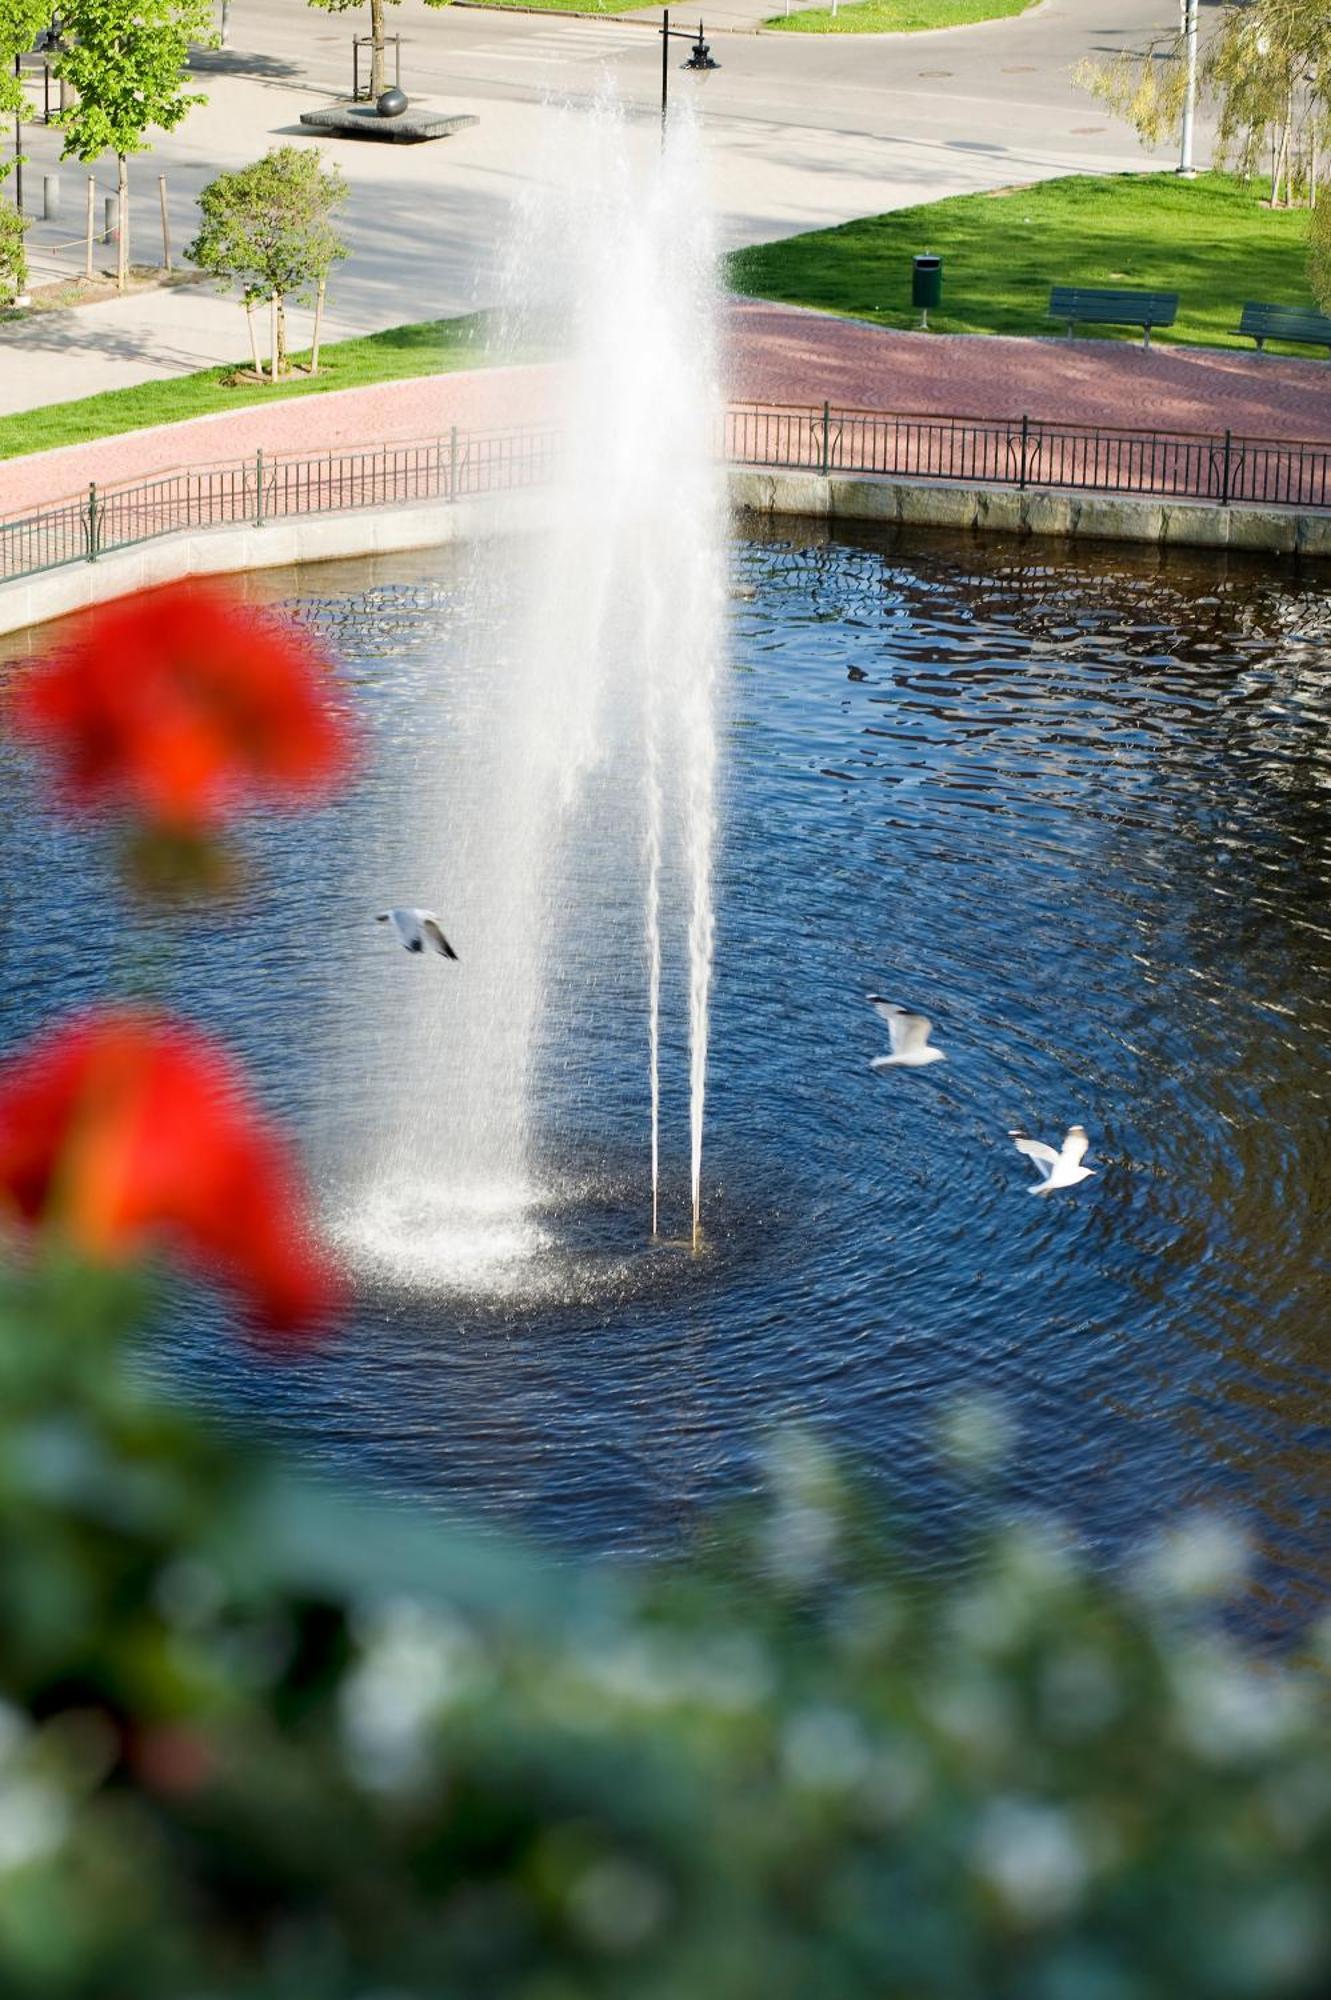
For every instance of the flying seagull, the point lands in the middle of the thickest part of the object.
(909, 1034)
(1060, 1169)
(418, 930)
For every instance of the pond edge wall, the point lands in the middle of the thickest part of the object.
(1000, 510)
(1008, 510)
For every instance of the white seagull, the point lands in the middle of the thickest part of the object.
(1060, 1169)
(418, 930)
(909, 1034)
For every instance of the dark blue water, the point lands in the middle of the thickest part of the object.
(1078, 809)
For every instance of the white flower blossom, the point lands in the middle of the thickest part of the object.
(34, 1818)
(415, 1665)
(1203, 1559)
(617, 1903)
(1033, 1859)
(825, 1749)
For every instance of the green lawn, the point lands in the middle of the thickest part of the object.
(569, 6)
(428, 348)
(1210, 240)
(895, 17)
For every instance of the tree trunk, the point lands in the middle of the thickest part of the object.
(122, 234)
(318, 324)
(280, 364)
(272, 337)
(376, 49)
(254, 338)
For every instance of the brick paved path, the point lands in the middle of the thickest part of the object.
(780, 354)
(774, 354)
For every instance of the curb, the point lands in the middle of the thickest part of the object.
(1001, 510)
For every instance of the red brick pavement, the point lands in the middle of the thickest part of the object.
(422, 407)
(773, 354)
(779, 354)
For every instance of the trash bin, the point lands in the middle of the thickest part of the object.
(926, 282)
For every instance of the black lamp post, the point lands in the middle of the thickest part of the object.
(46, 45)
(18, 136)
(700, 59)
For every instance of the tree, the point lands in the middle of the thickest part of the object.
(1270, 66)
(127, 66)
(13, 262)
(1319, 255)
(21, 21)
(1268, 69)
(269, 228)
(376, 31)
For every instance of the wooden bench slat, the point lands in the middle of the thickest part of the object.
(1111, 307)
(1297, 324)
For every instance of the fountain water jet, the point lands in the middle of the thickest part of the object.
(601, 640)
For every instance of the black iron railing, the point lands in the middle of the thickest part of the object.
(462, 464)
(1166, 465)
(251, 491)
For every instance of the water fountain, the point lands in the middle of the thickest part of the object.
(591, 764)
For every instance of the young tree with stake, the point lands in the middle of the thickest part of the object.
(127, 67)
(268, 227)
(377, 75)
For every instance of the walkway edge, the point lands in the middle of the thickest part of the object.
(1001, 510)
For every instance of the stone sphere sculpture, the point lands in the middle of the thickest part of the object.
(391, 103)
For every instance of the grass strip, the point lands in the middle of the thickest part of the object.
(896, 17)
(429, 347)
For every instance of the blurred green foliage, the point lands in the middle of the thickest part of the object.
(262, 1742)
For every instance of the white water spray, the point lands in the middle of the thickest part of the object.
(591, 750)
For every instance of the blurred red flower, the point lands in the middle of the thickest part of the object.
(122, 1130)
(180, 704)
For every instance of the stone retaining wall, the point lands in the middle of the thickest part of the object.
(382, 530)
(1107, 517)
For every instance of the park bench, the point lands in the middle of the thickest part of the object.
(1074, 303)
(1292, 323)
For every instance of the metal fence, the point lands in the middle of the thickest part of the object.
(462, 464)
(248, 492)
(1170, 465)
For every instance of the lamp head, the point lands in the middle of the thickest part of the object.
(700, 55)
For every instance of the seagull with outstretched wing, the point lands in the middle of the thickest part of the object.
(417, 930)
(1060, 1167)
(909, 1034)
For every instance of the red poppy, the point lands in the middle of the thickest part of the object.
(124, 1130)
(181, 703)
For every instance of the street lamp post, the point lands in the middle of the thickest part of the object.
(700, 59)
(18, 137)
(1189, 8)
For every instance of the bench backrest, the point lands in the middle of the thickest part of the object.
(1112, 308)
(1286, 323)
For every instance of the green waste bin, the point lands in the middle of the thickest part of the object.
(926, 282)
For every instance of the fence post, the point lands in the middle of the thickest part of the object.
(827, 455)
(258, 487)
(1025, 448)
(1225, 472)
(453, 463)
(94, 528)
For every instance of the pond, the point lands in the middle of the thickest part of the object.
(1076, 807)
